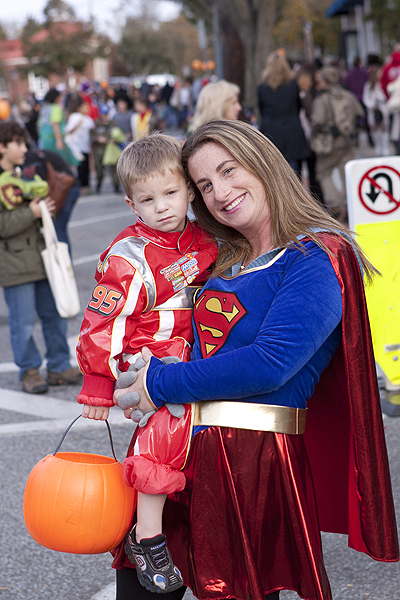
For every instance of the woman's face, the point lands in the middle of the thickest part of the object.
(305, 82)
(233, 109)
(233, 196)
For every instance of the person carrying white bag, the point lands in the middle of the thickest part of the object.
(22, 274)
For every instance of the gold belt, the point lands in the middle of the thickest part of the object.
(246, 415)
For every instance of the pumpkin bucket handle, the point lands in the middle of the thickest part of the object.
(69, 427)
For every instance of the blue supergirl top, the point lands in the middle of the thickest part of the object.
(265, 334)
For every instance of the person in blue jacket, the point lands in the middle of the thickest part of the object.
(284, 442)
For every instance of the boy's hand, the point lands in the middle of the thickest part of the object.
(37, 211)
(35, 208)
(51, 205)
(98, 413)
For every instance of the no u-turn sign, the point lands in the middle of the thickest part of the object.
(373, 190)
(379, 190)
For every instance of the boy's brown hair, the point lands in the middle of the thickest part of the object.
(11, 131)
(144, 157)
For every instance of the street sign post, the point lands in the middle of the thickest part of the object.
(373, 199)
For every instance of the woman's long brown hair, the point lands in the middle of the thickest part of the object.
(293, 209)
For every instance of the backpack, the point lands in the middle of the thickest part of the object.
(343, 114)
(344, 124)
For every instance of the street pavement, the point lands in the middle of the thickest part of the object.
(31, 427)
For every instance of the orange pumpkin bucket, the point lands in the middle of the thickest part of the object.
(79, 503)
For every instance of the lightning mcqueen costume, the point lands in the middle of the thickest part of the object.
(288, 332)
(144, 297)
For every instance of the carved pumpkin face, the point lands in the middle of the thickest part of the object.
(79, 503)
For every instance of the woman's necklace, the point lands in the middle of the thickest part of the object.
(243, 267)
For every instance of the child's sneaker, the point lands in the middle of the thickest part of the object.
(154, 566)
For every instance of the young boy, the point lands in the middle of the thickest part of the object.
(146, 281)
(22, 274)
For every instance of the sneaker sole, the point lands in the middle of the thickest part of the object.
(144, 581)
(42, 389)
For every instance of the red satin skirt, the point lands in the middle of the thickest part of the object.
(246, 523)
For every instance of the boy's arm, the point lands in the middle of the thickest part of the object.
(109, 323)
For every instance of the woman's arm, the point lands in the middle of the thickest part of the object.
(56, 116)
(58, 136)
(305, 311)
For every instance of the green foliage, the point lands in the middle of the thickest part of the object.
(197, 9)
(61, 42)
(30, 28)
(386, 17)
(3, 32)
(292, 15)
(60, 50)
(143, 49)
(58, 10)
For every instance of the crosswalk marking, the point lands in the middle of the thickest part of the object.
(54, 414)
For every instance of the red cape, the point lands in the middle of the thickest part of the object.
(344, 434)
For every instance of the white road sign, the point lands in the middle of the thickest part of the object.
(373, 190)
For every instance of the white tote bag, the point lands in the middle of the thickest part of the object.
(58, 266)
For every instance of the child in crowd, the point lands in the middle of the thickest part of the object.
(143, 121)
(22, 274)
(146, 281)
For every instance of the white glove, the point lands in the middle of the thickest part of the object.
(130, 399)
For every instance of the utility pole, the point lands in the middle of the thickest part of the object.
(218, 54)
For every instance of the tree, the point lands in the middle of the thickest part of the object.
(145, 49)
(184, 43)
(385, 15)
(291, 19)
(30, 28)
(3, 32)
(56, 11)
(60, 43)
(254, 21)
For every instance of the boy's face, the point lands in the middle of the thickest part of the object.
(161, 201)
(12, 154)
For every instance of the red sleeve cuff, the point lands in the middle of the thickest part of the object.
(96, 391)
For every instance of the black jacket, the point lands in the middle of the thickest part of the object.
(280, 120)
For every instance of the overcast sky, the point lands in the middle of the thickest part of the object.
(106, 12)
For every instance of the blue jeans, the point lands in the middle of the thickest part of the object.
(23, 302)
(61, 220)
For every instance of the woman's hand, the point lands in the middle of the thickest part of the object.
(143, 405)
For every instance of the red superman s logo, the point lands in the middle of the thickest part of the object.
(216, 313)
